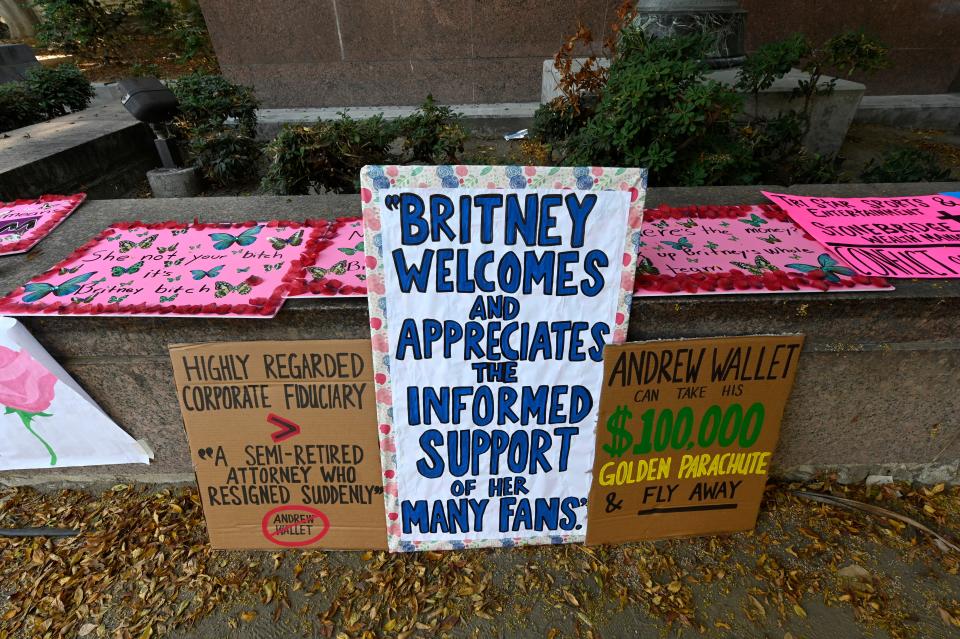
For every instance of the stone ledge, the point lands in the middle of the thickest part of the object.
(877, 385)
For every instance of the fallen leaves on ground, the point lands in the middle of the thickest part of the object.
(142, 568)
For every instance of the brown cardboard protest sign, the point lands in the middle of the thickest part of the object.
(283, 437)
(685, 435)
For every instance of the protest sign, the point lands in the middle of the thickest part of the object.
(492, 291)
(687, 429)
(48, 420)
(283, 437)
(889, 237)
(23, 223)
(186, 270)
(338, 269)
(717, 250)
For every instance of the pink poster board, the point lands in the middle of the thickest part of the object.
(23, 223)
(339, 269)
(715, 250)
(172, 269)
(889, 237)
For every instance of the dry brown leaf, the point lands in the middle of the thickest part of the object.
(573, 601)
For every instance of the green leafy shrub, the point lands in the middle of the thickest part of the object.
(226, 158)
(432, 134)
(59, 89)
(43, 94)
(327, 155)
(905, 165)
(155, 15)
(659, 111)
(207, 101)
(18, 107)
(224, 152)
(79, 26)
(555, 121)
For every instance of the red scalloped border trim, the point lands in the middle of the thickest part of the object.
(735, 279)
(41, 232)
(330, 287)
(257, 307)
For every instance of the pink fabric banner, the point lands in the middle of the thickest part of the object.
(889, 237)
(23, 223)
(172, 269)
(338, 269)
(713, 250)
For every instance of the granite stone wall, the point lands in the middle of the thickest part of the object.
(312, 53)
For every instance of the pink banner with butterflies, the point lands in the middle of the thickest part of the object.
(338, 269)
(737, 249)
(23, 223)
(172, 269)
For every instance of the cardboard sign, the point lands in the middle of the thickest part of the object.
(492, 291)
(186, 270)
(687, 429)
(23, 223)
(47, 419)
(338, 269)
(717, 250)
(283, 437)
(889, 237)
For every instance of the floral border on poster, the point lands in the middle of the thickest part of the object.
(380, 177)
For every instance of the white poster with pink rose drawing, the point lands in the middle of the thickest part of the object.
(46, 419)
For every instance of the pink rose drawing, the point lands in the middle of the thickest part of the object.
(26, 390)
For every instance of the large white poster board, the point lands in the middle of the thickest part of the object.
(46, 419)
(492, 293)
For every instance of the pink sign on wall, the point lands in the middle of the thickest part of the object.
(888, 237)
(736, 249)
(339, 269)
(191, 270)
(23, 223)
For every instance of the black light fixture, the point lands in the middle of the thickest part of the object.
(149, 100)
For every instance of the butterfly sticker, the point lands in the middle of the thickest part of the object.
(294, 240)
(755, 221)
(126, 245)
(169, 298)
(128, 283)
(662, 224)
(243, 270)
(167, 249)
(179, 232)
(826, 264)
(113, 238)
(712, 246)
(67, 271)
(36, 291)
(83, 300)
(223, 241)
(117, 271)
(116, 300)
(222, 289)
(760, 264)
(771, 239)
(272, 267)
(724, 224)
(319, 273)
(195, 247)
(646, 266)
(174, 279)
(681, 245)
(689, 224)
(351, 251)
(177, 262)
(361, 277)
(199, 274)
